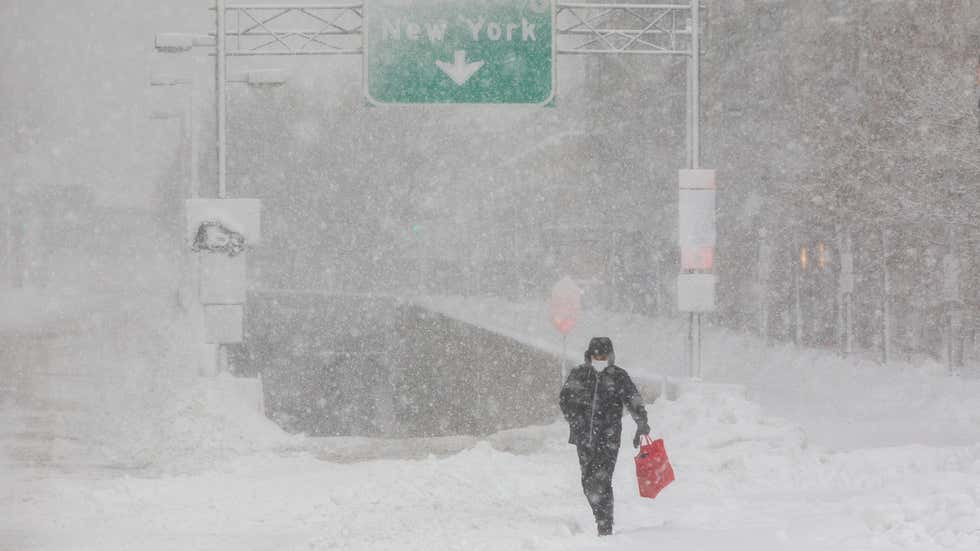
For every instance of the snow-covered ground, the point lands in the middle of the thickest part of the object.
(797, 450)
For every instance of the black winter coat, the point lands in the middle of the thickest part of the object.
(592, 403)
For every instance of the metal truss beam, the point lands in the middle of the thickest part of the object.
(294, 29)
(337, 29)
(621, 28)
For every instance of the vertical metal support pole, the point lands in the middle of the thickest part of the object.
(561, 360)
(29, 248)
(694, 151)
(221, 98)
(690, 345)
(695, 84)
(839, 236)
(849, 296)
(886, 310)
(8, 239)
(195, 190)
(221, 82)
(764, 269)
(798, 308)
(238, 27)
(688, 116)
(193, 264)
(699, 345)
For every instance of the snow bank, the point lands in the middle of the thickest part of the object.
(843, 403)
(727, 441)
(217, 419)
(190, 422)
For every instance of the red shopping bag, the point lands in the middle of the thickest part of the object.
(653, 470)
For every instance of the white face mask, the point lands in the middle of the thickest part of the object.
(599, 365)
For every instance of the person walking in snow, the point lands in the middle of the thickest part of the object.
(592, 401)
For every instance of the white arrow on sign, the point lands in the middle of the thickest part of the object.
(460, 71)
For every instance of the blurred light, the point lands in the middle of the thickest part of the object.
(821, 255)
(698, 259)
(803, 257)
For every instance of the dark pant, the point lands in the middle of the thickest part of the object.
(598, 464)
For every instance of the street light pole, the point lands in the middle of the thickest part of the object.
(195, 187)
(189, 133)
(188, 287)
(694, 97)
(694, 160)
(8, 238)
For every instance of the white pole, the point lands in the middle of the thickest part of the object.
(195, 190)
(696, 83)
(561, 360)
(694, 151)
(886, 291)
(192, 259)
(798, 308)
(8, 239)
(690, 345)
(699, 346)
(689, 117)
(849, 297)
(765, 261)
(221, 81)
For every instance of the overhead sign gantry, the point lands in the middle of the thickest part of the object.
(459, 51)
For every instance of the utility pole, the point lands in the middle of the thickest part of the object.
(764, 269)
(8, 238)
(694, 68)
(886, 291)
(195, 183)
(797, 282)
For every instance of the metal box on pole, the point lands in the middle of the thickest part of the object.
(220, 230)
(697, 238)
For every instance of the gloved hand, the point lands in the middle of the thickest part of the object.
(641, 430)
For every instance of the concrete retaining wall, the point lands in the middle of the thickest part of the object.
(369, 366)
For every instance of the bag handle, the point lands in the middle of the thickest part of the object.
(645, 440)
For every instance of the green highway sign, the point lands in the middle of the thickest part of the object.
(459, 51)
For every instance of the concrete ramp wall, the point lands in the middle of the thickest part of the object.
(376, 366)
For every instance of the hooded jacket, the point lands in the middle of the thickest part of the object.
(592, 403)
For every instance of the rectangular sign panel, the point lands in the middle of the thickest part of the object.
(223, 279)
(696, 199)
(459, 51)
(696, 292)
